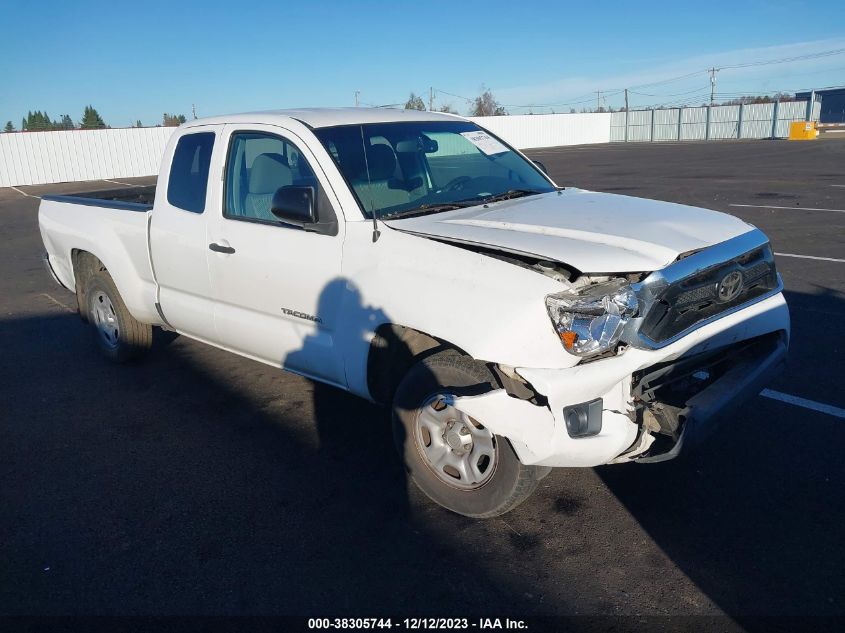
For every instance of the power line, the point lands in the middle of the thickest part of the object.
(598, 96)
(786, 60)
(676, 94)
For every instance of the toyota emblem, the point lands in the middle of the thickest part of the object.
(730, 287)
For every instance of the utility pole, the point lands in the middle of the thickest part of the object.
(430, 98)
(598, 100)
(626, 115)
(713, 72)
(357, 92)
(194, 110)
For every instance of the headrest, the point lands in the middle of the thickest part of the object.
(381, 161)
(268, 173)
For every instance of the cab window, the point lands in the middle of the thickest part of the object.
(258, 165)
(188, 179)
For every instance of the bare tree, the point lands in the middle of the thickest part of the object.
(415, 103)
(485, 104)
(754, 99)
(447, 107)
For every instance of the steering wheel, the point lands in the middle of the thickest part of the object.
(456, 184)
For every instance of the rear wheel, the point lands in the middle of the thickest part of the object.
(119, 335)
(453, 458)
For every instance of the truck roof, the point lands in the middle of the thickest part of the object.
(328, 117)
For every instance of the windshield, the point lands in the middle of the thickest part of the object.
(398, 169)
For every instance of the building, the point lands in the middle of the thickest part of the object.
(832, 104)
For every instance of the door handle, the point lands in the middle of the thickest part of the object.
(219, 248)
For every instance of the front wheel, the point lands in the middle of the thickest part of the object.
(453, 458)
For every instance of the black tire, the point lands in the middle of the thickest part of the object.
(451, 373)
(131, 338)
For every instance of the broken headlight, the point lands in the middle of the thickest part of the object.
(590, 321)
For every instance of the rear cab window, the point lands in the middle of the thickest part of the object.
(188, 181)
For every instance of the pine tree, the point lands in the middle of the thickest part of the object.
(23, 124)
(38, 121)
(138, 123)
(67, 122)
(91, 119)
(9, 127)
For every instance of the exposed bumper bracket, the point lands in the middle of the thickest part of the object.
(705, 410)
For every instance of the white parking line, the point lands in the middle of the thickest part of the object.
(769, 206)
(837, 185)
(803, 402)
(822, 259)
(117, 182)
(52, 299)
(24, 193)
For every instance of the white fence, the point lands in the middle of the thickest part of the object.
(34, 158)
(761, 120)
(549, 130)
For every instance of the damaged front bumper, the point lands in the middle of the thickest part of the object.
(653, 403)
(684, 402)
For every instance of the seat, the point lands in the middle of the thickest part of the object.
(376, 189)
(268, 173)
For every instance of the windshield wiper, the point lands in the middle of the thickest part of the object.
(510, 194)
(425, 209)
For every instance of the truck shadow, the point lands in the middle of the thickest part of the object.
(194, 483)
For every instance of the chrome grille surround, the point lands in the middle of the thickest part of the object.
(685, 295)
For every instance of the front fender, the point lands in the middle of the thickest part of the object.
(492, 309)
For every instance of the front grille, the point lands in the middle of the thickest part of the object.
(708, 293)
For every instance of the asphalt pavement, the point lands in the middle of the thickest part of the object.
(198, 482)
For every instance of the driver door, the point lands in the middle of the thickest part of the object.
(276, 285)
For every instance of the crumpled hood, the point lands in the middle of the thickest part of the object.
(592, 232)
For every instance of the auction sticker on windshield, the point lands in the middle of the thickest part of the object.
(484, 142)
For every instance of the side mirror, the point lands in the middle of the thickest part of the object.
(294, 205)
(541, 166)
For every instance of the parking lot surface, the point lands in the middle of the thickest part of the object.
(198, 482)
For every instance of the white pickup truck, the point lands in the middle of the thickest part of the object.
(417, 260)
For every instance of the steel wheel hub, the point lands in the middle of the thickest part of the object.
(457, 448)
(105, 319)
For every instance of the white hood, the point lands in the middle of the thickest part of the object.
(592, 232)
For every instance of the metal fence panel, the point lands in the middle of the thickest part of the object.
(759, 120)
(666, 124)
(639, 125)
(617, 126)
(34, 158)
(693, 124)
(549, 130)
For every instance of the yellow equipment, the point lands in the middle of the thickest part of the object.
(803, 131)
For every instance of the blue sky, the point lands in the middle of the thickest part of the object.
(137, 60)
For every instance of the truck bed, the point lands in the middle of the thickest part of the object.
(112, 225)
(127, 199)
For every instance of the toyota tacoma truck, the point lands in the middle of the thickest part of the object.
(417, 260)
